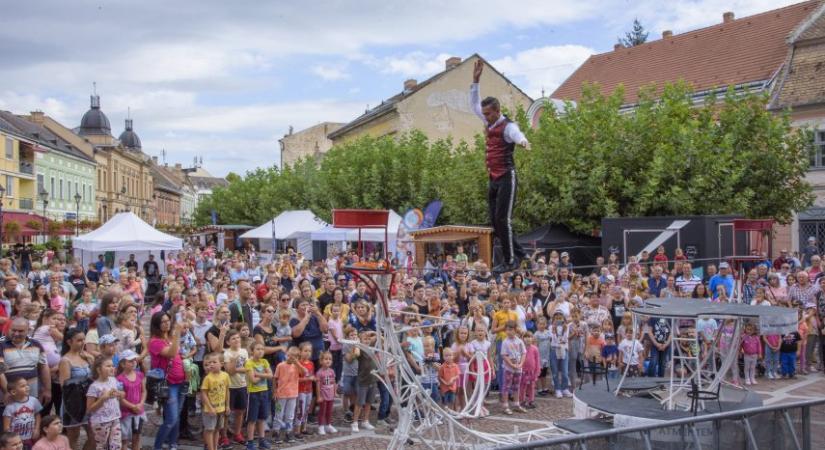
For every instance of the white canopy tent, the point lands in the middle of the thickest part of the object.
(124, 234)
(297, 225)
(332, 234)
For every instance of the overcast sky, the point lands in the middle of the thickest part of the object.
(225, 79)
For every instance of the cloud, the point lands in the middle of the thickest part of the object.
(543, 68)
(329, 72)
(413, 64)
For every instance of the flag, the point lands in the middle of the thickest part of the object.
(431, 213)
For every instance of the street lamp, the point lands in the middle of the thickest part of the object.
(77, 199)
(2, 194)
(44, 197)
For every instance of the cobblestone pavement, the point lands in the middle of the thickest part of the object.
(548, 410)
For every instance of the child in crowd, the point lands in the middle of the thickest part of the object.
(304, 390)
(84, 310)
(630, 352)
(56, 300)
(283, 333)
(448, 376)
(287, 375)
(530, 372)
(543, 338)
(772, 342)
(610, 351)
(578, 334)
(22, 412)
(751, 350)
(234, 360)
(325, 393)
(429, 369)
(132, 416)
(726, 344)
(787, 353)
(103, 405)
(10, 441)
(349, 373)
(258, 375)
(51, 429)
(804, 330)
(335, 333)
(593, 347)
(462, 355)
(480, 344)
(366, 384)
(513, 353)
(214, 398)
(559, 345)
(811, 342)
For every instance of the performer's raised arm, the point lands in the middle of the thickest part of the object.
(475, 95)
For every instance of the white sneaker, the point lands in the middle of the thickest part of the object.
(567, 393)
(355, 427)
(331, 429)
(367, 426)
(753, 382)
(558, 394)
(321, 431)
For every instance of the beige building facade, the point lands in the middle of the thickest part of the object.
(312, 141)
(438, 106)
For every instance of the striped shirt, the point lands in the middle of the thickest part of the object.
(686, 286)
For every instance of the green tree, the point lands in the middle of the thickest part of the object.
(634, 37)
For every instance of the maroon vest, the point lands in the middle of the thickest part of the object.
(499, 151)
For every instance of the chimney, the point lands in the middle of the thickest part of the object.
(667, 34)
(617, 47)
(452, 62)
(38, 117)
(178, 166)
(410, 84)
(727, 17)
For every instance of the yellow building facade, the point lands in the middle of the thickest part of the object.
(17, 172)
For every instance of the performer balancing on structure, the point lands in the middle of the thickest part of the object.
(502, 136)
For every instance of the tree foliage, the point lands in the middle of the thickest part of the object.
(667, 157)
(634, 37)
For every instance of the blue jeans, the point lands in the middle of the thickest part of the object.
(168, 432)
(500, 364)
(386, 401)
(658, 361)
(772, 360)
(788, 361)
(561, 380)
(433, 388)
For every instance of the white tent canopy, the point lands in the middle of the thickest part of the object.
(288, 225)
(126, 232)
(295, 225)
(331, 233)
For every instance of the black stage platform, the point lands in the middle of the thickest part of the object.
(634, 400)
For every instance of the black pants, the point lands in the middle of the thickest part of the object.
(501, 199)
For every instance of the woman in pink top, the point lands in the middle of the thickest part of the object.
(163, 348)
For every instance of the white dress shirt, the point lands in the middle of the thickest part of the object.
(512, 133)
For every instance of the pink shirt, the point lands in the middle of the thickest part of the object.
(174, 371)
(133, 390)
(58, 304)
(751, 344)
(326, 380)
(532, 364)
(335, 331)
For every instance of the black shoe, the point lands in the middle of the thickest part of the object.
(289, 439)
(186, 434)
(348, 417)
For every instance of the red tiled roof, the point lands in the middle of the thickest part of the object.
(744, 50)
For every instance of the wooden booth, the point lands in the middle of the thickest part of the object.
(481, 237)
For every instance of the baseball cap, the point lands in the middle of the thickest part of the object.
(107, 339)
(563, 254)
(724, 265)
(610, 278)
(256, 279)
(128, 355)
(811, 239)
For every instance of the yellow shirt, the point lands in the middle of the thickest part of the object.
(259, 366)
(215, 385)
(501, 317)
(344, 311)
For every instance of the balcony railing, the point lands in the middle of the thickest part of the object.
(26, 167)
(25, 203)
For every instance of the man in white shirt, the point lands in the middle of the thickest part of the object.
(501, 137)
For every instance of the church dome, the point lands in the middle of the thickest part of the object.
(129, 138)
(94, 122)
